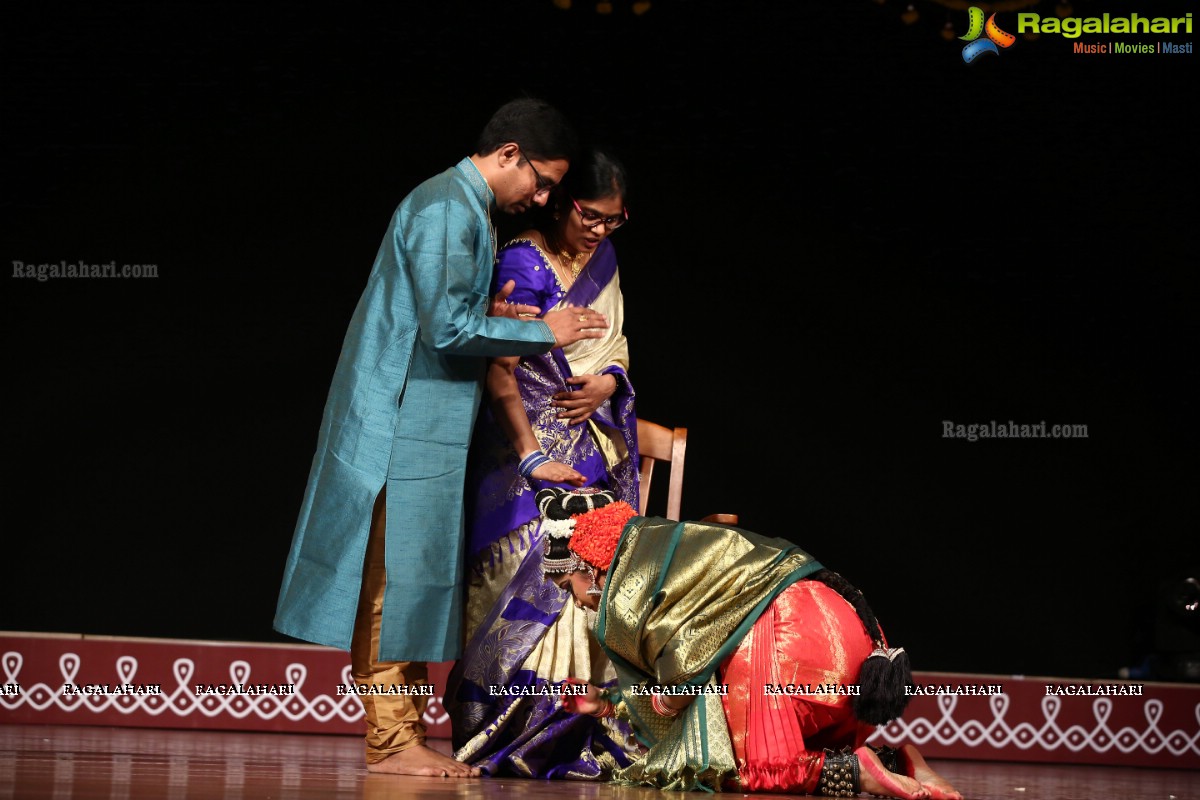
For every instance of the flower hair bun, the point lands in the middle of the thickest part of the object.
(558, 507)
(597, 533)
(555, 503)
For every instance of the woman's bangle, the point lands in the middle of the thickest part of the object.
(531, 462)
(605, 710)
(662, 709)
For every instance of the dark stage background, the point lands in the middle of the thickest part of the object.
(842, 235)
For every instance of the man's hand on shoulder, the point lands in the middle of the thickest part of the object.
(502, 308)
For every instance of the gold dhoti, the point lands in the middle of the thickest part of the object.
(393, 720)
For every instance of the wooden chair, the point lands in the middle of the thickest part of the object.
(659, 443)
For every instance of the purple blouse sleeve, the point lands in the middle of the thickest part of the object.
(536, 286)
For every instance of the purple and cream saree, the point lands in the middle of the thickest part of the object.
(521, 630)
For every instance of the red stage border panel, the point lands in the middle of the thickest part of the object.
(67, 679)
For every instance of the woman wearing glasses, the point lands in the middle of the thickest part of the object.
(564, 418)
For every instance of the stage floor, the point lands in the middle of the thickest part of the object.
(70, 761)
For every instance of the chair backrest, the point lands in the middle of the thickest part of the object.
(659, 443)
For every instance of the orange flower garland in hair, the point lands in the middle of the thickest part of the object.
(597, 533)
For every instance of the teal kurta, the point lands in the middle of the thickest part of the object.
(400, 411)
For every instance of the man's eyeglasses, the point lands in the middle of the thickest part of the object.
(592, 220)
(543, 186)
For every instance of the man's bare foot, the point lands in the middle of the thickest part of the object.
(875, 778)
(939, 788)
(421, 760)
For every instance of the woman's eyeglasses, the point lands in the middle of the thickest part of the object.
(592, 220)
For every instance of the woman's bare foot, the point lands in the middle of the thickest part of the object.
(874, 778)
(421, 760)
(939, 788)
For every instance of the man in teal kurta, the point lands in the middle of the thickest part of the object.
(391, 451)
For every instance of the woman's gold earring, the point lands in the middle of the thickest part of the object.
(594, 589)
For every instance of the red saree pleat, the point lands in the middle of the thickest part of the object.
(807, 636)
(774, 733)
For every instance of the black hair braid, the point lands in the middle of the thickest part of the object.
(854, 597)
(885, 674)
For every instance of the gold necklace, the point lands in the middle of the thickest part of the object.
(572, 264)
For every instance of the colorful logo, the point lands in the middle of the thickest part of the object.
(996, 38)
